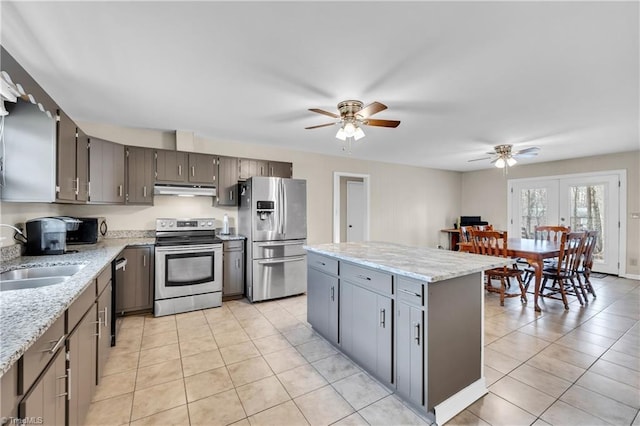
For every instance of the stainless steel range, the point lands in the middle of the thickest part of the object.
(188, 266)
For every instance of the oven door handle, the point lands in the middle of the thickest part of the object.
(288, 259)
(188, 249)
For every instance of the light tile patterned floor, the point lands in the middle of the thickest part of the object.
(262, 364)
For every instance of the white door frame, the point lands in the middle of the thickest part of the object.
(336, 203)
(622, 214)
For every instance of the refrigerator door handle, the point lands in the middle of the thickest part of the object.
(282, 206)
(284, 210)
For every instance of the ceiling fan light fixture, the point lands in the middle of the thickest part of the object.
(341, 134)
(358, 134)
(500, 163)
(349, 129)
(511, 161)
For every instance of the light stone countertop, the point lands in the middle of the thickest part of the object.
(425, 264)
(27, 313)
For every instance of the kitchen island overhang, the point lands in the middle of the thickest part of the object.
(412, 317)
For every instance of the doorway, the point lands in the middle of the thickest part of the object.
(350, 207)
(584, 201)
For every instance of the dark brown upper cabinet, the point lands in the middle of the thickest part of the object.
(140, 174)
(203, 168)
(250, 167)
(106, 172)
(171, 166)
(280, 169)
(72, 165)
(228, 181)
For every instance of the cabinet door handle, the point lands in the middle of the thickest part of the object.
(179, 169)
(106, 316)
(120, 188)
(411, 293)
(77, 182)
(193, 170)
(231, 195)
(333, 295)
(144, 260)
(144, 191)
(417, 335)
(363, 277)
(69, 389)
(99, 322)
(271, 170)
(68, 393)
(382, 318)
(55, 347)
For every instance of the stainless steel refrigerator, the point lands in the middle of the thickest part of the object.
(273, 217)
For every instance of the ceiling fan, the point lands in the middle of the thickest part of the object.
(352, 116)
(506, 157)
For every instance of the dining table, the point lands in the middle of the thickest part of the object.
(533, 251)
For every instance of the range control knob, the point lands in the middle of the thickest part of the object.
(209, 223)
(163, 224)
(170, 224)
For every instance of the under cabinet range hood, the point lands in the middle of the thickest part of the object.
(185, 190)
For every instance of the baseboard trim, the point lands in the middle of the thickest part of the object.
(453, 405)
(631, 276)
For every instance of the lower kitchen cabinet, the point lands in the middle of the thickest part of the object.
(82, 366)
(323, 294)
(233, 268)
(410, 332)
(45, 402)
(104, 329)
(135, 291)
(366, 328)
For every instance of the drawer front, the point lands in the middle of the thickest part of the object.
(368, 278)
(36, 358)
(323, 263)
(409, 291)
(233, 245)
(103, 279)
(81, 305)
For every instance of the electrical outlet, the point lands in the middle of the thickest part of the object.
(633, 262)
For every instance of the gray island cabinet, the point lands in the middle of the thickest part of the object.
(412, 317)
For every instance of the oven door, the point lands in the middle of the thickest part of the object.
(188, 270)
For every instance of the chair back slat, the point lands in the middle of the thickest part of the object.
(550, 233)
(489, 243)
(465, 234)
(589, 247)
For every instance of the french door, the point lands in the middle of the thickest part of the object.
(583, 202)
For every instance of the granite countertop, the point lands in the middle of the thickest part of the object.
(27, 313)
(426, 264)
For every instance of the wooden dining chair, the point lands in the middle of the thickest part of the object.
(564, 274)
(494, 243)
(465, 234)
(591, 240)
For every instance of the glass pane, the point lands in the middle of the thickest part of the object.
(588, 213)
(533, 210)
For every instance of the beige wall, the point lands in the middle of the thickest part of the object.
(485, 192)
(409, 205)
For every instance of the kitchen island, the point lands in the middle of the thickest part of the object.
(412, 317)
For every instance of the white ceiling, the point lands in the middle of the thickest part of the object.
(461, 76)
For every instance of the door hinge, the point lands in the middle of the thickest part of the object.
(57, 189)
(512, 221)
(512, 190)
(126, 153)
(619, 184)
(58, 117)
(618, 224)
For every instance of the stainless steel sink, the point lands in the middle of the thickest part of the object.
(30, 283)
(41, 272)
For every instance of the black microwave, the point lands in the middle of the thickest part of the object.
(90, 231)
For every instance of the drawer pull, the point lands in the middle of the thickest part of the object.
(333, 295)
(363, 277)
(55, 347)
(409, 292)
(99, 322)
(68, 384)
(417, 336)
(322, 263)
(382, 318)
(59, 378)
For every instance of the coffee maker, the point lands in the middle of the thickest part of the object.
(46, 235)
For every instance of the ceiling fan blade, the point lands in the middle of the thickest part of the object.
(525, 155)
(382, 123)
(527, 150)
(478, 159)
(494, 160)
(321, 111)
(372, 108)
(321, 125)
